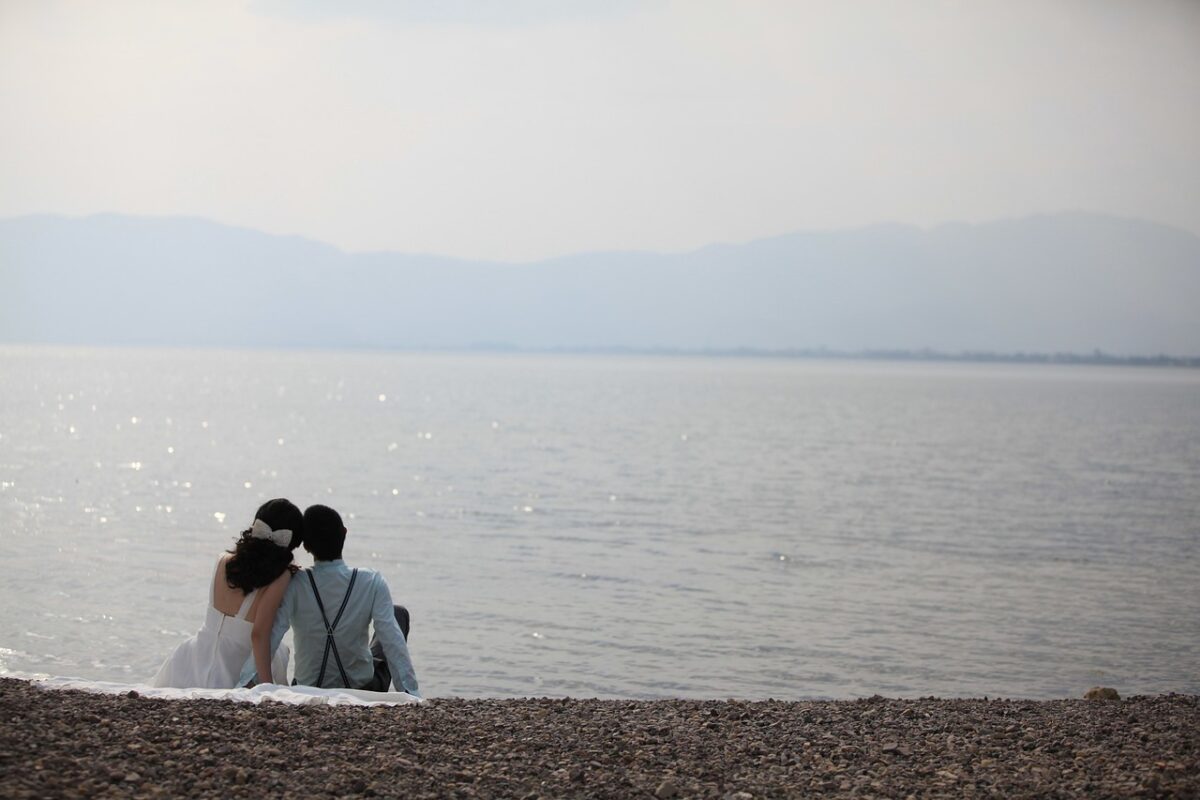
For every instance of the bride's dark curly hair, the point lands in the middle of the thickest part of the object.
(257, 562)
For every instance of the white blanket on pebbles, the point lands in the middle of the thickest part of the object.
(264, 692)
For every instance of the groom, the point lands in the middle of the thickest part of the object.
(328, 608)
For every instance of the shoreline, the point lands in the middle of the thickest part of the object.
(1096, 358)
(63, 743)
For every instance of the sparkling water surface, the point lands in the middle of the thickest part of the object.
(632, 527)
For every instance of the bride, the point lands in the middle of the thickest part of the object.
(244, 595)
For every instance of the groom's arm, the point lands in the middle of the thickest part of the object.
(395, 648)
(283, 620)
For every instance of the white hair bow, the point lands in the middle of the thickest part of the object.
(261, 530)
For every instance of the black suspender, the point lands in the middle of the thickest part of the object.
(330, 644)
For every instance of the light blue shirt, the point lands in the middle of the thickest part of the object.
(370, 601)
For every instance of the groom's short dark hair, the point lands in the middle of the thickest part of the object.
(324, 533)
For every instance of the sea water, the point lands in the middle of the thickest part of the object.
(626, 526)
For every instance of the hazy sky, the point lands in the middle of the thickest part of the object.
(532, 128)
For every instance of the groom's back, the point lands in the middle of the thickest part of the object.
(347, 597)
(332, 596)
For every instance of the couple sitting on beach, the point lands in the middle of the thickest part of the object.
(257, 593)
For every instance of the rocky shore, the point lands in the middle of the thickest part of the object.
(71, 744)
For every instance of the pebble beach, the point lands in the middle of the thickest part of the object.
(74, 744)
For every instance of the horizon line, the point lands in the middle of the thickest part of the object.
(1097, 357)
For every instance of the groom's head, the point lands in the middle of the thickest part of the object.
(324, 533)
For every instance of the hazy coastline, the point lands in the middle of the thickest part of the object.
(1097, 359)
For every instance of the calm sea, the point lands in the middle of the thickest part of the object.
(633, 527)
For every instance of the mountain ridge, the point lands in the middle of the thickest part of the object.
(1064, 282)
(799, 232)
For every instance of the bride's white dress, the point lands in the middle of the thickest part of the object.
(213, 658)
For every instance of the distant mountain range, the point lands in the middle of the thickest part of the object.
(1069, 282)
